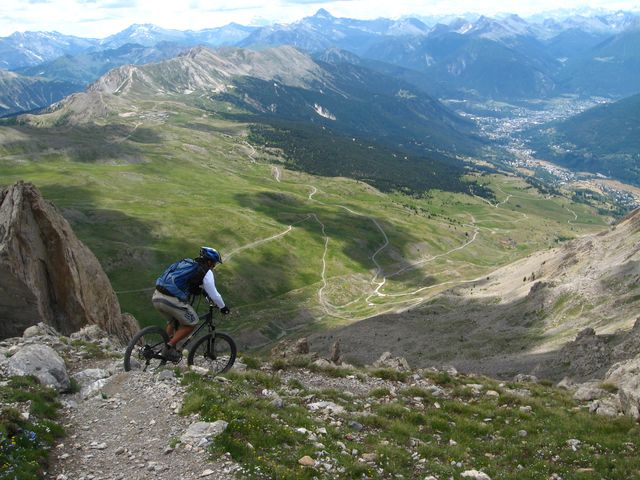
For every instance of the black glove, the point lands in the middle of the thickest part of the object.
(225, 310)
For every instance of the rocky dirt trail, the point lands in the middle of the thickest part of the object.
(129, 431)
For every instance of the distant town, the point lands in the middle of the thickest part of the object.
(506, 125)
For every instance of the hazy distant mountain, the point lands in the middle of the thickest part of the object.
(229, 34)
(84, 68)
(590, 21)
(506, 57)
(447, 19)
(322, 31)
(463, 65)
(604, 139)
(611, 68)
(408, 27)
(144, 34)
(573, 43)
(32, 48)
(150, 35)
(498, 29)
(21, 50)
(22, 94)
(510, 58)
(501, 58)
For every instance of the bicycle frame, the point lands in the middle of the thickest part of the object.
(207, 322)
(146, 351)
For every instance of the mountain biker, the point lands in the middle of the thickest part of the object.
(173, 288)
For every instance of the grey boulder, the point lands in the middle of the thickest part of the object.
(44, 363)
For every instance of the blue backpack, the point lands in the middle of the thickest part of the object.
(182, 278)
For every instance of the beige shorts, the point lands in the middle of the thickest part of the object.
(172, 308)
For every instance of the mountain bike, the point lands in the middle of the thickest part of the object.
(214, 351)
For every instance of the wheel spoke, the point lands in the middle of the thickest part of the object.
(144, 349)
(215, 354)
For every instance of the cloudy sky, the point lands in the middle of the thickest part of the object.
(100, 18)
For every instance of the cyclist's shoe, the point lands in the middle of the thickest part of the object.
(170, 353)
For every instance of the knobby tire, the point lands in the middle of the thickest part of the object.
(138, 344)
(220, 360)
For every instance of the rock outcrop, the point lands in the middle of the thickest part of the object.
(590, 356)
(625, 376)
(47, 274)
(44, 363)
(290, 348)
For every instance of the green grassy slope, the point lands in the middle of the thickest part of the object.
(383, 423)
(153, 183)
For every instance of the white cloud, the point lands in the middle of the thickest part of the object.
(100, 18)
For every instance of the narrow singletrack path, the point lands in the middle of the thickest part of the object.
(129, 432)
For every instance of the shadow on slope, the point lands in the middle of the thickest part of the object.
(355, 235)
(479, 336)
(90, 143)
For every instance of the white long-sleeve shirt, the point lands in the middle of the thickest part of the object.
(209, 284)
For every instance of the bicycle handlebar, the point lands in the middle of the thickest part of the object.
(210, 302)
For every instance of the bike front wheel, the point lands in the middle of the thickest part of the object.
(214, 352)
(144, 349)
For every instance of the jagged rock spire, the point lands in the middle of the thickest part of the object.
(47, 274)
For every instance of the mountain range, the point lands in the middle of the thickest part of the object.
(390, 70)
(467, 57)
(304, 102)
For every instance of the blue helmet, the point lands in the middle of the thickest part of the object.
(210, 254)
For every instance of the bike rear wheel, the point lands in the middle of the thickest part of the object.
(144, 349)
(216, 353)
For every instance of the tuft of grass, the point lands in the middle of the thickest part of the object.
(279, 364)
(415, 392)
(173, 443)
(609, 387)
(334, 395)
(442, 379)
(391, 410)
(89, 350)
(263, 379)
(294, 383)
(390, 374)
(75, 386)
(297, 361)
(464, 392)
(251, 362)
(25, 442)
(380, 392)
